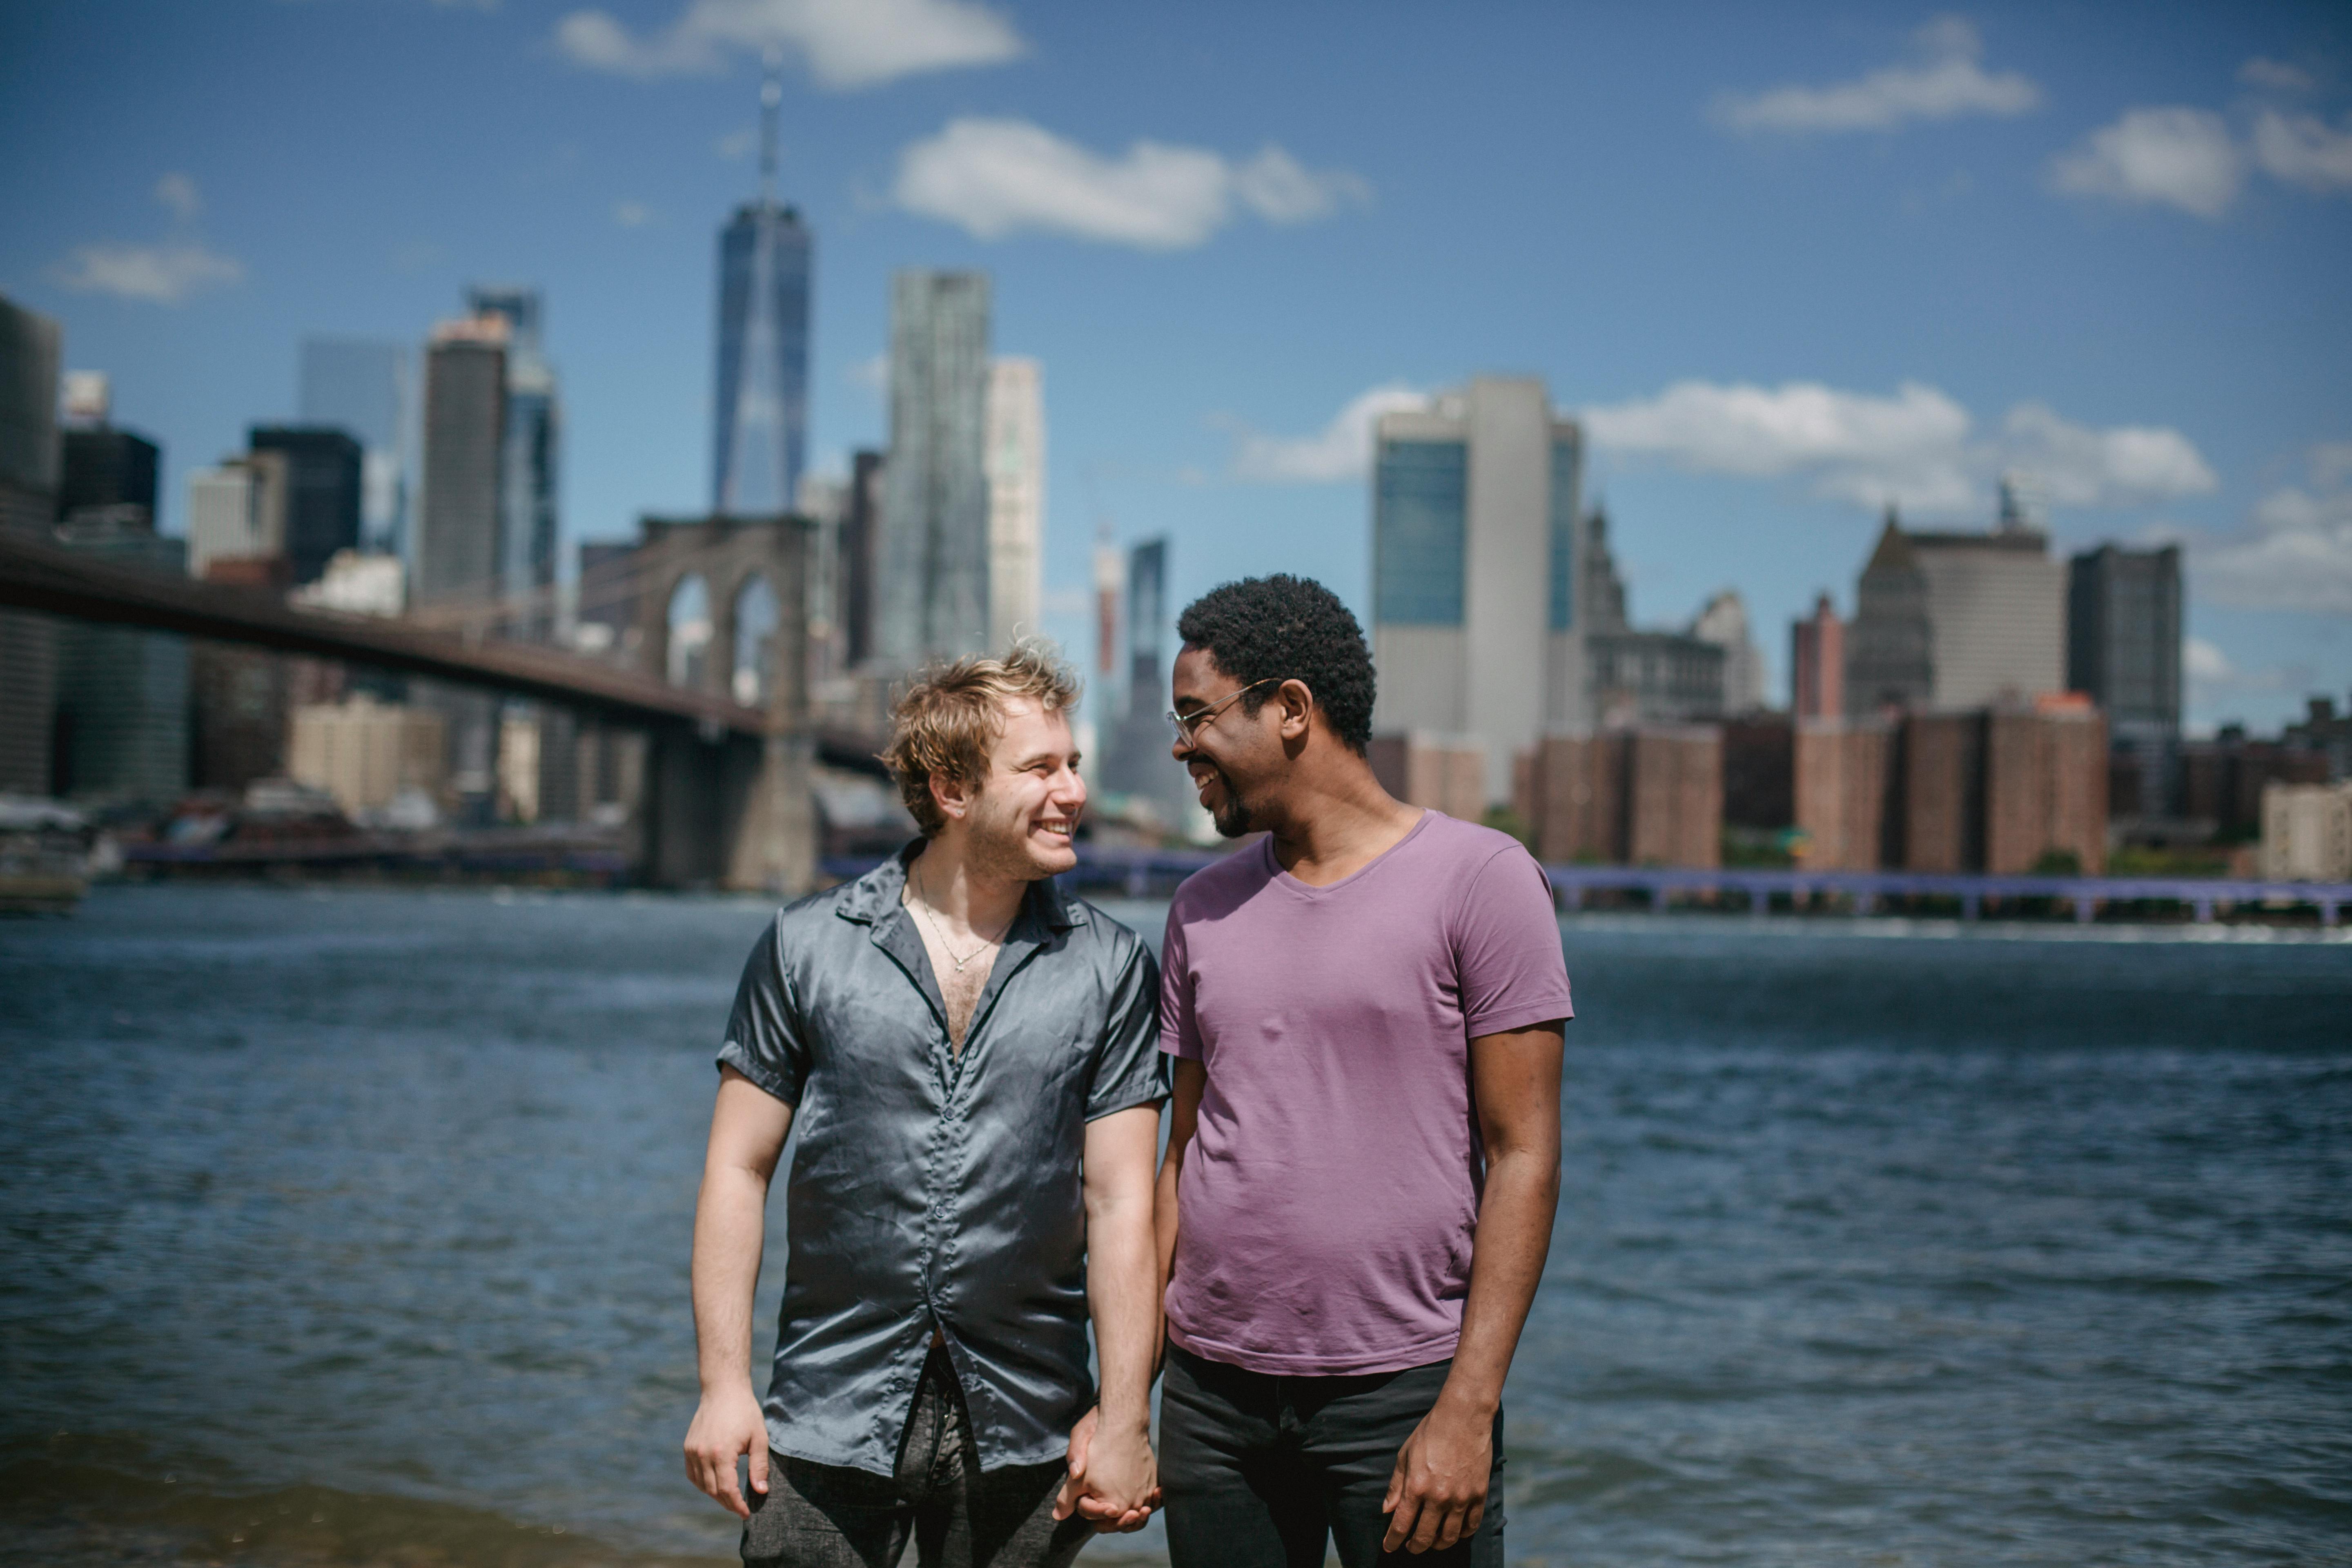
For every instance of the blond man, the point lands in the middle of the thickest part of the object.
(970, 1056)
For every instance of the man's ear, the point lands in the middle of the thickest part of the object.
(953, 796)
(1298, 708)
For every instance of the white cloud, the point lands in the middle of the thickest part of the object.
(737, 144)
(996, 177)
(2077, 465)
(1914, 449)
(1341, 450)
(2176, 156)
(844, 43)
(163, 274)
(2297, 556)
(179, 193)
(2275, 74)
(2331, 463)
(2204, 662)
(1947, 81)
(1910, 448)
(2304, 151)
(1280, 189)
(631, 214)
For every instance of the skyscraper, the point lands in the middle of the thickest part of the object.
(861, 528)
(30, 348)
(457, 534)
(1476, 533)
(237, 512)
(762, 427)
(459, 537)
(527, 466)
(365, 387)
(1724, 622)
(105, 467)
(1817, 663)
(323, 484)
(2123, 649)
(1016, 498)
(1947, 621)
(934, 596)
(1140, 763)
(121, 692)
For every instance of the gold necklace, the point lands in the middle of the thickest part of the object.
(923, 908)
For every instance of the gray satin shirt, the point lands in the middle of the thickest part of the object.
(932, 1187)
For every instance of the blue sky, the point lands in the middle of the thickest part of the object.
(1787, 262)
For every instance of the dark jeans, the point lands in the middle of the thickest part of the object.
(1257, 1469)
(958, 1515)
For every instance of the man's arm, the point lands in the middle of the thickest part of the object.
(1114, 1482)
(1437, 1494)
(1183, 1120)
(730, 1220)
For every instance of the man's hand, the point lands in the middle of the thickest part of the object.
(1437, 1494)
(1103, 1488)
(726, 1427)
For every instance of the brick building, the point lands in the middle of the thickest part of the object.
(1430, 771)
(1651, 796)
(2002, 791)
(1844, 770)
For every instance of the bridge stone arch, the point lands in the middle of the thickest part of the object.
(763, 831)
(728, 554)
(758, 616)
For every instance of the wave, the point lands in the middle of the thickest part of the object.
(60, 1505)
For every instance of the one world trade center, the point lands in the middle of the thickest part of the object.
(763, 327)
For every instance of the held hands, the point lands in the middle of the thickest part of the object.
(1438, 1493)
(1113, 1481)
(728, 1426)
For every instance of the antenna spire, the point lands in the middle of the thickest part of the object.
(771, 94)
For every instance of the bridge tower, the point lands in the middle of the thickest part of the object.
(721, 608)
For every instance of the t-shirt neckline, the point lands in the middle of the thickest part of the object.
(1308, 889)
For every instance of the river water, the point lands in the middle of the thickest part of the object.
(352, 1226)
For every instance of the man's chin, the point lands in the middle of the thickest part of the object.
(1232, 823)
(1047, 854)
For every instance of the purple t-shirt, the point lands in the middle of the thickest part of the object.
(1324, 1215)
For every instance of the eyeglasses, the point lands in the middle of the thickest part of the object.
(1187, 725)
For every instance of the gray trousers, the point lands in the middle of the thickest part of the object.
(958, 1515)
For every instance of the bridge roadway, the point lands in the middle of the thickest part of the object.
(728, 799)
(38, 576)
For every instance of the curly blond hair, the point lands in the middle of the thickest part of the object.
(943, 724)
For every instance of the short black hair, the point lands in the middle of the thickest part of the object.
(1285, 628)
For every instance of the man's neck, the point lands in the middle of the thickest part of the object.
(964, 896)
(1332, 823)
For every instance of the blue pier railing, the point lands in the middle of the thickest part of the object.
(1139, 873)
(1867, 891)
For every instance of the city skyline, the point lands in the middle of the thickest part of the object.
(1778, 277)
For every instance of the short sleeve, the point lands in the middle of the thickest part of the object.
(766, 1041)
(1179, 1035)
(1507, 948)
(1130, 1070)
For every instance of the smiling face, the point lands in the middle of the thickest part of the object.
(1019, 817)
(1233, 755)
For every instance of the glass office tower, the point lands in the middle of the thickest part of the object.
(368, 389)
(934, 577)
(1476, 535)
(526, 464)
(762, 427)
